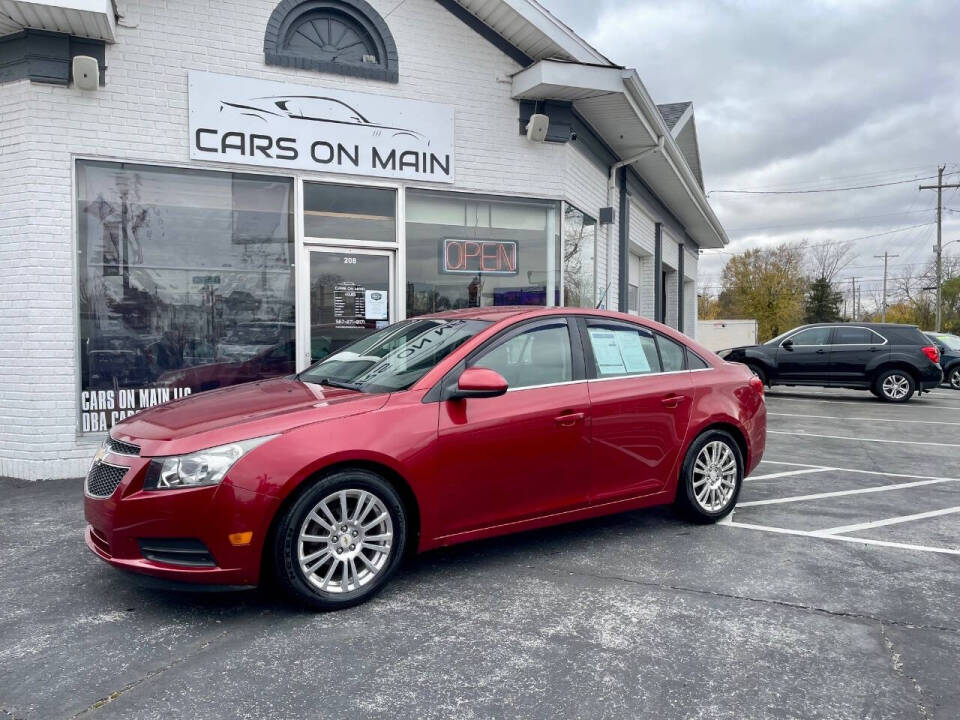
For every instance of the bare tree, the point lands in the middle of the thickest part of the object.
(829, 259)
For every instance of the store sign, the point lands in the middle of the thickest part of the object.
(261, 122)
(100, 410)
(490, 257)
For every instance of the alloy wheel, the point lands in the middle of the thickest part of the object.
(895, 386)
(714, 476)
(955, 379)
(345, 541)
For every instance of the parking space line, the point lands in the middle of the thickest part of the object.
(842, 538)
(788, 473)
(840, 493)
(870, 419)
(864, 472)
(862, 439)
(888, 521)
(856, 402)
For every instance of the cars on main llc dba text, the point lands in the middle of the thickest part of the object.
(891, 361)
(433, 431)
(949, 347)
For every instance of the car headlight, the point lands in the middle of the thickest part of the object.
(204, 467)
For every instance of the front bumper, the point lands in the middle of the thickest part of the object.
(117, 524)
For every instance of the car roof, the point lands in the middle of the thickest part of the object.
(513, 312)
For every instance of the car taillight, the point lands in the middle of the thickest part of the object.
(931, 352)
(757, 384)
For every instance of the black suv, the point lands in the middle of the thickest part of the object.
(891, 361)
(949, 347)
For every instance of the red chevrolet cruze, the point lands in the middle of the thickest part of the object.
(433, 431)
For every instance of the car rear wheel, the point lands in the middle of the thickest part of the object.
(895, 386)
(340, 541)
(954, 378)
(711, 477)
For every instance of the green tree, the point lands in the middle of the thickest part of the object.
(767, 285)
(823, 302)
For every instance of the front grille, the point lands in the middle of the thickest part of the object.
(177, 551)
(122, 448)
(103, 479)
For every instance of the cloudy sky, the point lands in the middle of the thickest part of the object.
(805, 95)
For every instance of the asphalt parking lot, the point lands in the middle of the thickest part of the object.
(832, 592)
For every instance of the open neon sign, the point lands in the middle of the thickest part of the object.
(489, 257)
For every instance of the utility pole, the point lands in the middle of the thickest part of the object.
(938, 248)
(853, 298)
(883, 311)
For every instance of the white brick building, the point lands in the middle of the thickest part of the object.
(150, 247)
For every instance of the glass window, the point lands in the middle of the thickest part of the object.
(812, 336)
(633, 298)
(579, 263)
(185, 284)
(855, 336)
(623, 351)
(348, 212)
(671, 354)
(539, 356)
(695, 362)
(393, 358)
(465, 251)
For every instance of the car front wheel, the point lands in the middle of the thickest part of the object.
(340, 541)
(954, 378)
(711, 477)
(895, 386)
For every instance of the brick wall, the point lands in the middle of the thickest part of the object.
(141, 115)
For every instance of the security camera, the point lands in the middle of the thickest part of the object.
(86, 72)
(537, 127)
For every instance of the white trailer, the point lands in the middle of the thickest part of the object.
(722, 334)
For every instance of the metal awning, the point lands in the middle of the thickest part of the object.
(95, 19)
(616, 104)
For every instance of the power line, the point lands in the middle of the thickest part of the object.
(812, 223)
(824, 190)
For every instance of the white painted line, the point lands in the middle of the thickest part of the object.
(889, 521)
(870, 419)
(840, 493)
(844, 538)
(863, 472)
(923, 406)
(788, 473)
(861, 439)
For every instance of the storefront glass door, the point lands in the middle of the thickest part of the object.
(350, 294)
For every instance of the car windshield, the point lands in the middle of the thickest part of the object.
(779, 338)
(393, 358)
(951, 341)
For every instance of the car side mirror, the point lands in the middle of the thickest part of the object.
(478, 382)
(787, 344)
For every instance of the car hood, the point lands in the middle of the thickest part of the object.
(239, 412)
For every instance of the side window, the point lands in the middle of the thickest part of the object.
(812, 336)
(695, 362)
(539, 356)
(854, 336)
(671, 354)
(623, 351)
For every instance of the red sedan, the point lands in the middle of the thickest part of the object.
(433, 431)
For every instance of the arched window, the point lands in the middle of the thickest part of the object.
(337, 36)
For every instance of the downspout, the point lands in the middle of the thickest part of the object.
(611, 188)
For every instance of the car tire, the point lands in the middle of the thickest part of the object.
(896, 386)
(758, 371)
(705, 492)
(953, 378)
(324, 567)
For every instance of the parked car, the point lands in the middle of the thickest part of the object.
(438, 430)
(891, 361)
(949, 347)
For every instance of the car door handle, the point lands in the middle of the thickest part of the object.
(569, 419)
(672, 401)
(821, 351)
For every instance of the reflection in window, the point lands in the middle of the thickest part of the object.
(579, 258)
(465, 251)
(540, 356)
(185, 284)
(349, 212)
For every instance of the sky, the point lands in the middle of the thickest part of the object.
(805, 95)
